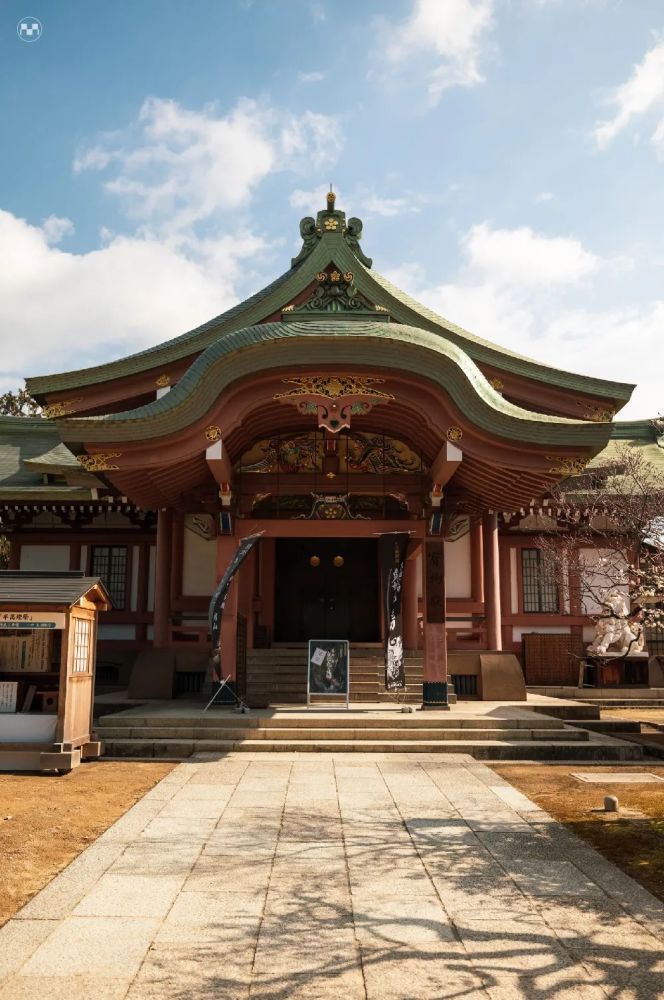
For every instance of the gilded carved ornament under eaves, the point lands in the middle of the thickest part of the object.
(497, 384)
(598, 414)
(212, 433)
(334, 386)
(454, 434)
(63, 409)
(100, 461)
(567, 466)
(163, 381)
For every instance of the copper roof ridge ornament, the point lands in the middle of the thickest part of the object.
(333, 222)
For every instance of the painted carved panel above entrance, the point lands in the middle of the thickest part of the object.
(357, 452)
(329, 507)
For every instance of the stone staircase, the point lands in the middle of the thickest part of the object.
(279, 676)
(524, 736)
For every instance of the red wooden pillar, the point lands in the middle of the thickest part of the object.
(409, 604)
(492, 606)
(434, 694)
(162, 583)
(226, 546)
(246, 581)
(142, 589)
(177, 557)
(476, 562)
(15, 554)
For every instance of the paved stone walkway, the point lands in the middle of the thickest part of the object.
(298, 877)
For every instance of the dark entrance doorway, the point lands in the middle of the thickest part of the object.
(326, 588)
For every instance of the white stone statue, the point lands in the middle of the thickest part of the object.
(614, 629)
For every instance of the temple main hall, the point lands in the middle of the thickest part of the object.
(325, 412)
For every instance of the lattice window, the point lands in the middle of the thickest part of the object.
(110, 563)
(81, 664)
(540, 593)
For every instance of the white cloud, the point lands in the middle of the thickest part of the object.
(175, 167)
(313, 77)
(175, 172)
(128, 295)
(641, 93)
(318, 13)
(363, 201)
(55, 228)
(524, 257)
(544, 319)
(441, 43)
(376, 204)
(545, 196)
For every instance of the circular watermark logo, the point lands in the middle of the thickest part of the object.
(29, 29)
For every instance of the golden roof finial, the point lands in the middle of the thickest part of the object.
(331, 198)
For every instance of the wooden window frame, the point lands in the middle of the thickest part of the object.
(126, 607)
(521, 576)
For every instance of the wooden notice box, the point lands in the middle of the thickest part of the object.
(48, 638)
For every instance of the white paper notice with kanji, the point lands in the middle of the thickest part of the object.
(8, 694)
(318, 656)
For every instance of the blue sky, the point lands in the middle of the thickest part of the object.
(507, 157)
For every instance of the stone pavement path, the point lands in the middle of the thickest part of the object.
(298, 877)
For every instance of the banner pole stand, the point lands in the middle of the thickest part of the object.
(224, 684)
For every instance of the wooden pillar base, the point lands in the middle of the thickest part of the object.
(435, 695)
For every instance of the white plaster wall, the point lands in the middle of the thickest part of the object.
(199, 565)
(458, 581)
(45, 557)
(598, 581)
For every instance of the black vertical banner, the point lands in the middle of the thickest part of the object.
(392, 549)
(218, 599)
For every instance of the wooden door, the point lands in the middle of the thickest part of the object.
(326, 588)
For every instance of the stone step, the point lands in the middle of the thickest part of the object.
(414, 721)
(333, 733)
(607, 725)
(480, 749)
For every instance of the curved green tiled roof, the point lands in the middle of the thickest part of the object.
(331, 247)
(267, 346)
(641, 434)
(30, 447)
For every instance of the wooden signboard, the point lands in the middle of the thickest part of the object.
(328, 668)
(31, 619)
